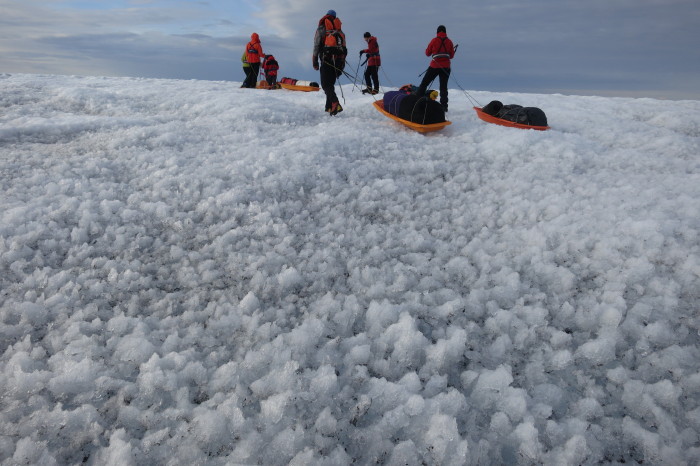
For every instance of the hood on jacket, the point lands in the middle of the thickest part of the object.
(254, 37)
(325, 17)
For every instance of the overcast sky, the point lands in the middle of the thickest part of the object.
(588, 47)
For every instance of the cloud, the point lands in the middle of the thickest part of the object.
(516, 46)
(538, 46)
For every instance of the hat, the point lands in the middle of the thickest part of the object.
(441, 28)
(331, 13)
(367, 34)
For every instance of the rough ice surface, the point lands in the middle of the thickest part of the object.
(193, 273)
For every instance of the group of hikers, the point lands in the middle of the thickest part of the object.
(329, 55)
(252, 58)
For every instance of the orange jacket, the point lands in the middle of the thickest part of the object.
(254, 49)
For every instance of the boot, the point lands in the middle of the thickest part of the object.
(336, 108)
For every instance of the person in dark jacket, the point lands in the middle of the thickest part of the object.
(374, 61)
(441, 51)
(270, 68)
(329, 48)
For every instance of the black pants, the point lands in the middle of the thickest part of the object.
(271, 80)
(372, 75)
(429, 77)
(330, 70)
(251, 75)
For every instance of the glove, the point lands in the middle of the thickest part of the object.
(316, 63)
(361, 52)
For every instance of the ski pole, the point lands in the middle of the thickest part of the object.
(357, 71)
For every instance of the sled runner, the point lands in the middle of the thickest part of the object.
(294, 87)
(379, 105)
(500, 121)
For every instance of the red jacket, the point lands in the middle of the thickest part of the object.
(270, 66)
(442, 50)
(372, 51)
(254, 49)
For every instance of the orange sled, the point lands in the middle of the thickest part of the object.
(379, 105)
(499, 121)
(294, 87)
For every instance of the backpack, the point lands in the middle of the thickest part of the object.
(252, 54)
(335, 37)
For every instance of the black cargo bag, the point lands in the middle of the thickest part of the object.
(422, 110)
(531, 116)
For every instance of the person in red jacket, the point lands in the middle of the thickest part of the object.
(253, 52)
(374, 61)
(441, 50)
(270, 67)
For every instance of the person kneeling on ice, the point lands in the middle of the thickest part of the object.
(373, 61)
(270, 67)
(329, 47)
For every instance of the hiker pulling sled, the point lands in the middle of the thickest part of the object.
(329, 57)
(441, 51)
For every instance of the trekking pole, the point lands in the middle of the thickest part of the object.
(338, 78)
(341, 89)
(357, 71)
(332, 65)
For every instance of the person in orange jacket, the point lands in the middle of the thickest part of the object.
(253, 52)
(374, 61)
(441, 50)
